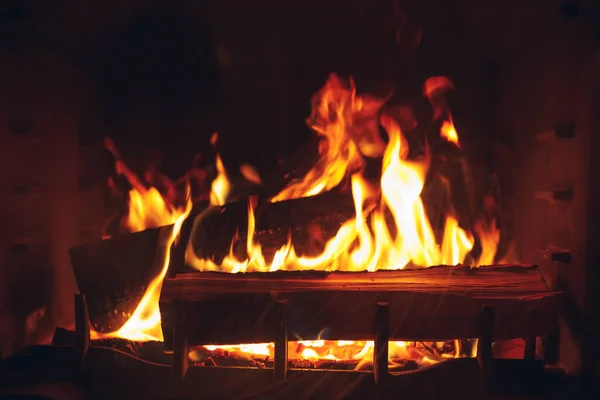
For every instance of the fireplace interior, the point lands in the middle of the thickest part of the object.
(174, 229)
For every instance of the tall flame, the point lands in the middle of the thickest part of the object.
(448, 132)
(348, 126)
(391, 228)
(148, 208)
(145, 322)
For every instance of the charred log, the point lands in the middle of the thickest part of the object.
(113, 275)
(310, 221)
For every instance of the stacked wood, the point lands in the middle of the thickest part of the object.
(425, 304)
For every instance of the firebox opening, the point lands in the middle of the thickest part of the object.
(342, 355)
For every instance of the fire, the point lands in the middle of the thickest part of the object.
(348, 126)
(391, 228)
(448, 132)
(145, 322)
(148, 208)
(221, 186)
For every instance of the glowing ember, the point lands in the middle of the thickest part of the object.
(329, 354)
(390, 229)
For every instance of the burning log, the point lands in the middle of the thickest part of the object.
(425, 304)
(311, 221)
(113, 275)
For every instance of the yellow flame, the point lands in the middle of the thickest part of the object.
(489, 235)
(348, 126)
(145, 322)
(366, 241)
(220, 186)
(390, 229)
(448, 132)
(148, 208)
(345, 350)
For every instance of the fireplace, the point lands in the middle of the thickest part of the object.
(501, 100)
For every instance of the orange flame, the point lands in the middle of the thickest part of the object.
(348, 125)
(145, 322)
(448, 132)
(148, 208)
(358, 352)
(220, 186)
(434, 89)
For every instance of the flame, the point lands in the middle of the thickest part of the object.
(358, 353)
(220, 186)
(448, 132)
(348, 126)
(145, 322)
(434, 89)
(148, 208)
(391, 228)
(489, 236)
(250, 173)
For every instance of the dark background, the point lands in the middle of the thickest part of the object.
(165, 74)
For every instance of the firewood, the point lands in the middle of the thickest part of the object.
(312, 221)
(324, 213)
(501, 282)
(113, 275)
(431, 304)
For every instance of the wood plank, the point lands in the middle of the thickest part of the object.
(217, 226)
(490, 282)
(428, 304)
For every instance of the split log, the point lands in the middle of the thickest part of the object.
(113, 275)
(311, 221)
(431, 304)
